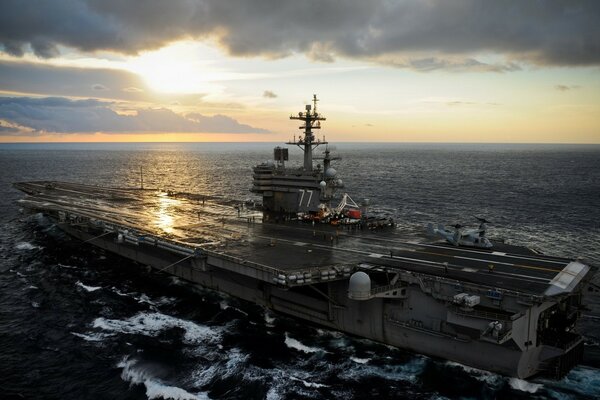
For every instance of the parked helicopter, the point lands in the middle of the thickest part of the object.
(459, 237)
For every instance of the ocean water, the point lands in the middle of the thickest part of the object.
(78, 323)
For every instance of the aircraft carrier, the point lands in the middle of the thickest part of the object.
(505, 309)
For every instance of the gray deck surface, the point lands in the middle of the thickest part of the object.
(215, 224)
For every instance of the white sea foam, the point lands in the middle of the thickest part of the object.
(394, 372)
(144, 298)
(308, 384)
(155, 389)
(269, 318)
(66, 266)
(92, 337)
(327, 332)
(360, 360)
(151, 324)
(296, 345)
(274, 393)
(26, 246)
(223, 365)
(88, 288)
(481, 375)
(117, 291)
(524, 386)
(224, 306)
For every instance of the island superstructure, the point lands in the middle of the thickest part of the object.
(287, 192)
(505, 309)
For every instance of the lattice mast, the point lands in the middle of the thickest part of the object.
(312, 120)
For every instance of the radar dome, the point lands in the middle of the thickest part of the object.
(330, 173)
(323, 184)
(360, 286)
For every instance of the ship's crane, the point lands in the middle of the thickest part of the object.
(346, 201)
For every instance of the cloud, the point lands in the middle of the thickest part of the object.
(24, 77)
(62, 115)
(564, 88)
(269, 94)
(49, 80)
(422, 35)
(132, 89)
(450, 63)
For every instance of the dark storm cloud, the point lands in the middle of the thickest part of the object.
(69, 81)
(401, 33)
(62, 115)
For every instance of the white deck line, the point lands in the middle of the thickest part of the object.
(485, 261)
(503, 254)
(433, 264)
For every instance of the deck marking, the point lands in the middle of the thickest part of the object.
(432, 264)
(509, 264)
(462, 249)
(485, 261)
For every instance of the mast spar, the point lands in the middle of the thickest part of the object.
(312, 120)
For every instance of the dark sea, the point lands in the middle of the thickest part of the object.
(79, 323)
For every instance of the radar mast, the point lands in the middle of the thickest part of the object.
(312, 120)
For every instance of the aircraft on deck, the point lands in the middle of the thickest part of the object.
(460, 237)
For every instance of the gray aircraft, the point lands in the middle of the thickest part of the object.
(460, 237)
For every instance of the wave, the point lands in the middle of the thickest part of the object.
(155, 388)
(581, 380)
(144, 298)
(26, 246)
(88, 288)
(94, 337)
(269, 318)
(407, 372)
(223, 365)
(308, 384)
(224, 306)
(66, 266)
(152, 324)
(487, 377)
(297, 345)
(524, 386)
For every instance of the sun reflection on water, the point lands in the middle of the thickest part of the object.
(164, 214)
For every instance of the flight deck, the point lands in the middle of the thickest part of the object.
(235, 229)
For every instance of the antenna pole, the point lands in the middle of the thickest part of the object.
(141, 178)
(312, 120)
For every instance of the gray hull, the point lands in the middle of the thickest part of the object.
(411, 322)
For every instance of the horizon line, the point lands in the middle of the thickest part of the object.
(260, 141)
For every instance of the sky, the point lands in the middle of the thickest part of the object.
(514, 71)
